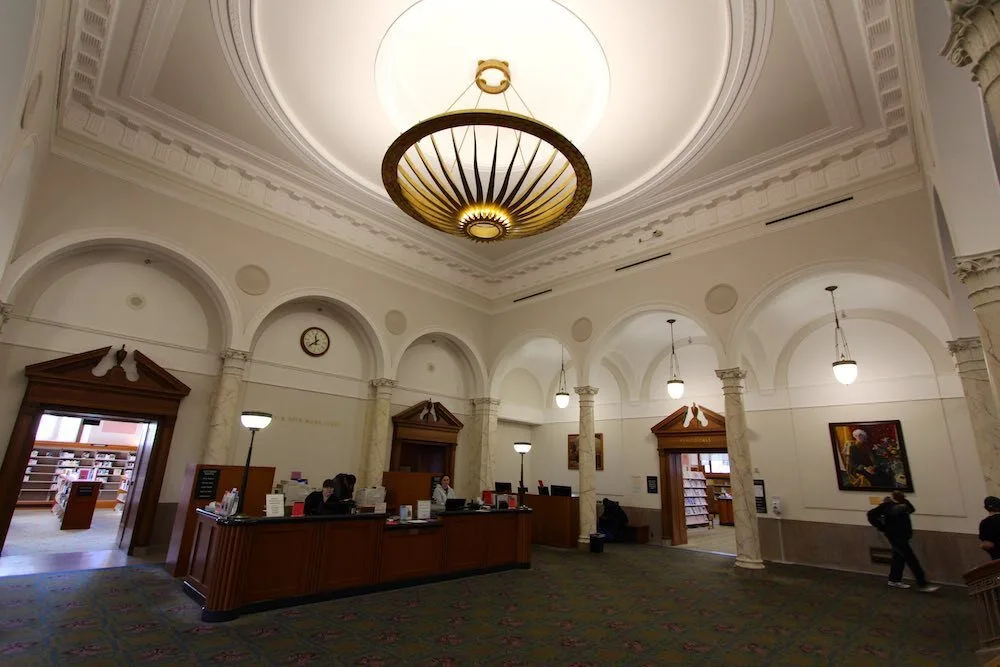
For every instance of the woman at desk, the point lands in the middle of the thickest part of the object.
(325, 501)
(443, 491)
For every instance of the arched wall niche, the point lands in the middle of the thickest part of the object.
(127, 292)
(543, 348)
(353, 317)
(436, 365)
(469, 358)
(15, 186)
(53, 250)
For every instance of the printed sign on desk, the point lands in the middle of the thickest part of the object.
(423, 509)
(274, 504)
(207, 484)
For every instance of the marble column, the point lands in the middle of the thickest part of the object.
(588, 467)
(5, 312)
(377, 421)
(981, 276)
(225, 408)
(740, 470)
(971, 366)
(479, 472)
(975, 40)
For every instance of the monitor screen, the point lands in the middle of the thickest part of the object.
(566, 491)
(452, 504)
(502, 487)
(543, 490)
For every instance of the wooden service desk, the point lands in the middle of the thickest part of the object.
(555, 520)
(240, 565)
(725, 508)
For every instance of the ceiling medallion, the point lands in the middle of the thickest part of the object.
(487, 174)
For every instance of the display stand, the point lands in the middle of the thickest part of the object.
(75, 503)
(695, 498)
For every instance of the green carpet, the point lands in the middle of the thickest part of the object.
(633, 605)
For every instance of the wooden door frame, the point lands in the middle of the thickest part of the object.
(68, 384)
(426, 423)
(672, 440)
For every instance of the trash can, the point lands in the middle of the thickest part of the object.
(597, 543)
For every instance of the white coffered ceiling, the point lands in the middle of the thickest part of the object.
(696, 117)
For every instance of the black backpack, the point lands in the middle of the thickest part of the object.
(876, 517)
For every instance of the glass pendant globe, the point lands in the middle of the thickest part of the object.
(562, 399)
(675, 388)
(846, 371)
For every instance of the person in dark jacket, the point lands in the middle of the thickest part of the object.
(892, 517)
(989, 528)
(323, 502)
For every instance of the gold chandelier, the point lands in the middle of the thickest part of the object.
(487, 174)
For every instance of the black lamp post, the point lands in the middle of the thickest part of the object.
(252, 421)
(521, 448)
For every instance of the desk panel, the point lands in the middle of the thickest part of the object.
(277, 563)
(342, 559)
(465, 543)
(555, 520)
(411, 553)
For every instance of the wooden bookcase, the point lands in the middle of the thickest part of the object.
(718, 484)
(110, 463)
(695, 498)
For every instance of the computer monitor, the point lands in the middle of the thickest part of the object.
(502, 487)
(566, 491)
(543, 490)
(452, 504)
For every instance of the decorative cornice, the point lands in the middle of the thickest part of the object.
(881, 28)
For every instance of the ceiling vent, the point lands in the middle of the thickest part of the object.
(642, 261)
(532, 296)
(810, 210)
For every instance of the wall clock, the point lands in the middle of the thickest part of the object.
(315, 342)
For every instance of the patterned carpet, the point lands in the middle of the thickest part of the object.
(633, 605)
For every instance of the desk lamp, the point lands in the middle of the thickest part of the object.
(252, 421)
(521, 448)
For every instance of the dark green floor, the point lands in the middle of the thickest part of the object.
(633, 605)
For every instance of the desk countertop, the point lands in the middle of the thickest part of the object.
(237, 520)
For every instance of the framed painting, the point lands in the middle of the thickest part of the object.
(574, 451)
(870, 456)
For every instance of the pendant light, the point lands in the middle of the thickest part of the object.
(562, 396)
(845, 369)
(675, 387)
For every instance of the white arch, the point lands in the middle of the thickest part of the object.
(502, 363)
(15, 185)
(604, 339)
(879, 268)
(379, 350)
(474, 359)
(53, 249)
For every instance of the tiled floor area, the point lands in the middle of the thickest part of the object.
(720, 539)
(36, 531)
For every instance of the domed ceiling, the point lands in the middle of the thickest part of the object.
(695, 117)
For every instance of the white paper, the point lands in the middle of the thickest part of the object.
(380, 508)
(274, 504)
(423, 509)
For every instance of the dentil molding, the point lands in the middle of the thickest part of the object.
(170, 152)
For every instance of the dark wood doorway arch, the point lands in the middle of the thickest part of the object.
(424, 439)
(69, 385)
(673, 438)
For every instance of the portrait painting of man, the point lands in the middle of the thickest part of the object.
(870, 456)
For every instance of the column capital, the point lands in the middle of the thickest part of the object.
(383, 382)
(980, 273)
(234, 361)
(6, 309)
(969, 343)
(969, 355)
(731, 377)
(486, 402)
(967, 42)
(586, 391)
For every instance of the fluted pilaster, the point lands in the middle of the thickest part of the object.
(377, 420)
(971, 365)
(225, 406)
(588, 469)
(740, 470)
(975, 41)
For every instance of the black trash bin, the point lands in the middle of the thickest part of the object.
(597, 543)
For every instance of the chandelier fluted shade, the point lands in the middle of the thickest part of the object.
(487, 175)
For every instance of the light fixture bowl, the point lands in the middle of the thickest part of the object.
(562, 399)
(845, 371)
(255, 421)
(675, 388)
(487, 175)
(522, 447)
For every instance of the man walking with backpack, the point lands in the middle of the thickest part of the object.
(892, 518)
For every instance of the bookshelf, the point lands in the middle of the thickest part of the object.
(109, 464)
(695, 498)
(718, 484)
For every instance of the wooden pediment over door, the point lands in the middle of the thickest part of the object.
(427, 421)
(691, 429)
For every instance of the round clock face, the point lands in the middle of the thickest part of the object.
(315, 342)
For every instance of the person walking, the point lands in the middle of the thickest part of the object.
(892, 517)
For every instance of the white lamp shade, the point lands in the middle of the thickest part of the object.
(255, 420)
(562, 399)
(846, 371)
(522, 447)
(675, 388)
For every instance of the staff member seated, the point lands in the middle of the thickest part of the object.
(443, 492)
(325, 501)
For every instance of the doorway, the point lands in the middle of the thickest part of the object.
(708, 503)
(118, 386)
